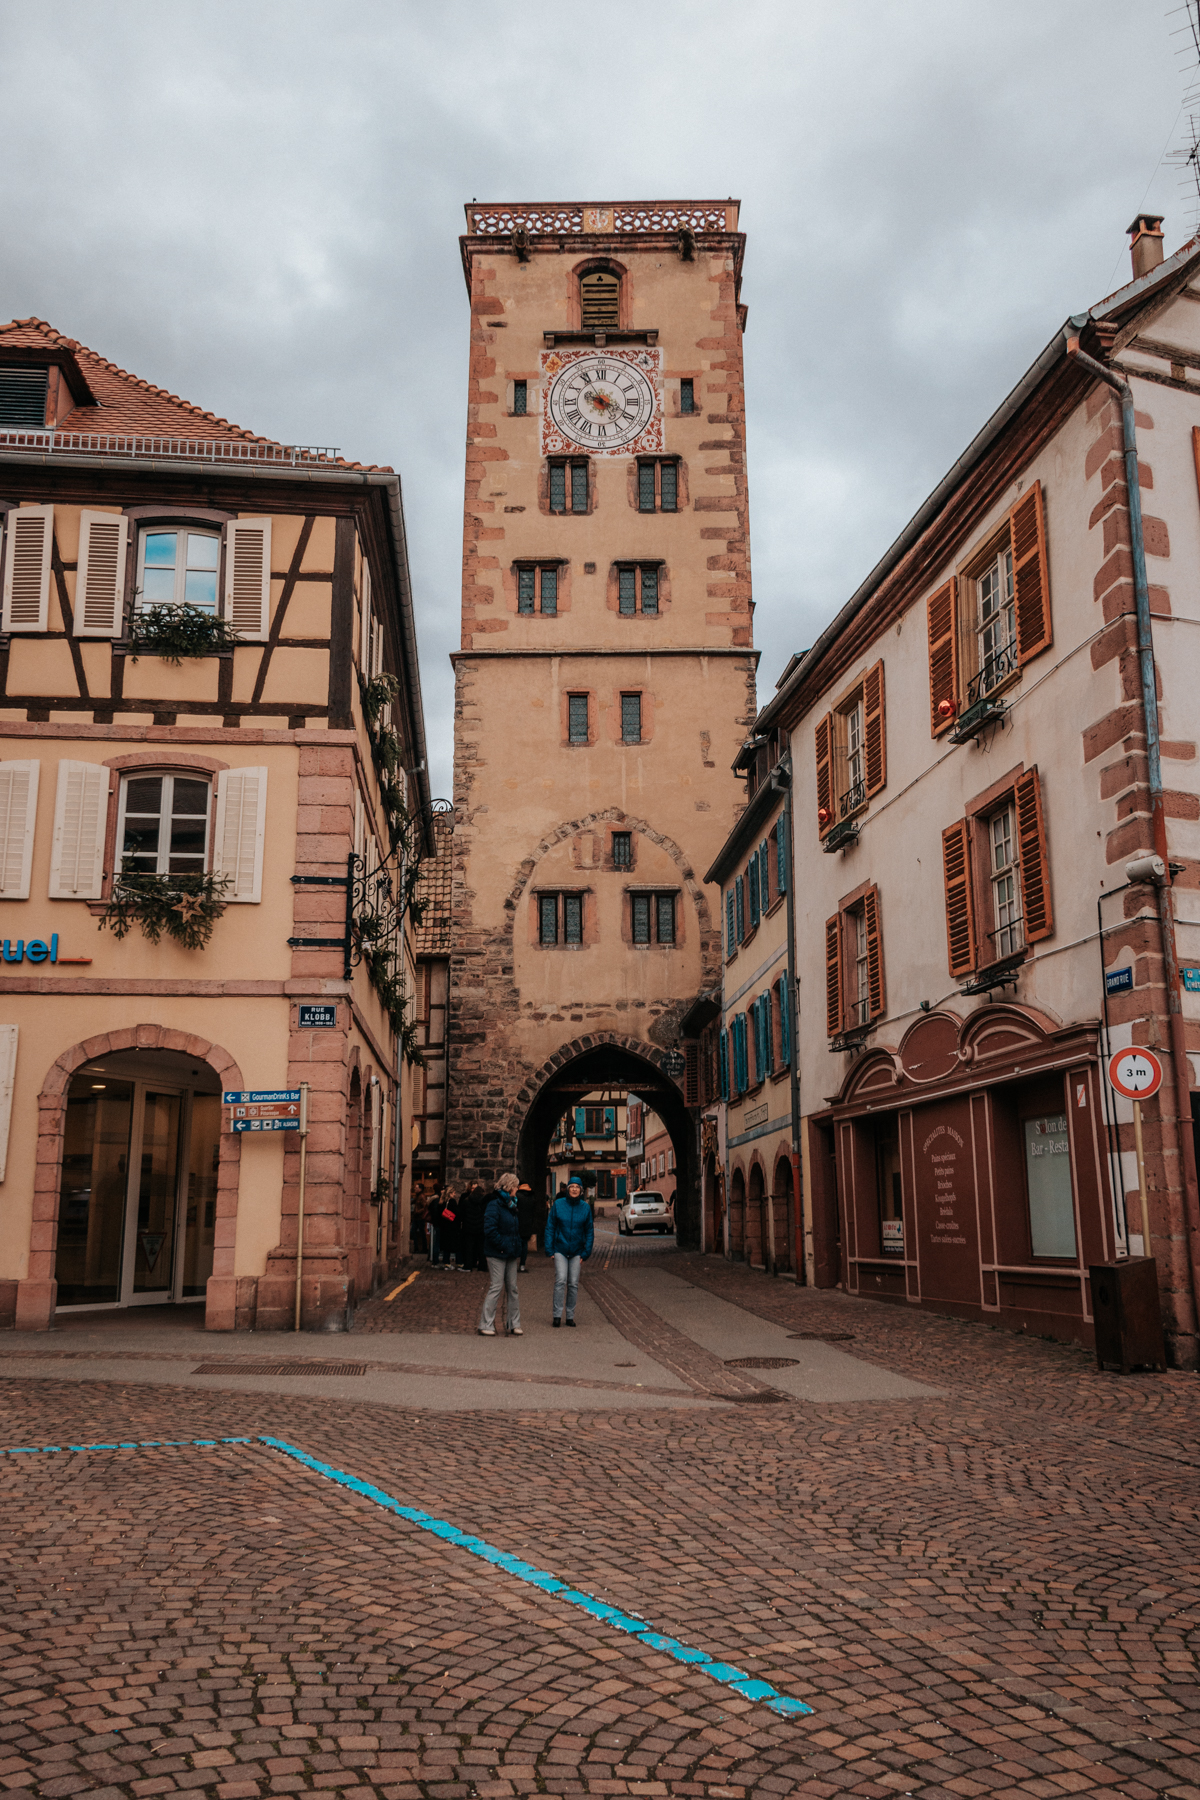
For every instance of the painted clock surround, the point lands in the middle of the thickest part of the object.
(573, 412)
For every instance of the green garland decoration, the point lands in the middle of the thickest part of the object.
(173, 632)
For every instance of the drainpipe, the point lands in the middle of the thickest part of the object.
(782, 778)
(1161, 883)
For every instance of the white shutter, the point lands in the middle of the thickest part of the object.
(248, 577)
(18, 810)
(364, 620)
(100, 582)
(240, 831)
(8, 1070)
(376, 1132)
(80, 818)
(27, 568)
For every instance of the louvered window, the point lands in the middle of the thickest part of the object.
(537, 589)
(631, 718)
(178, 568)
(23, 393)
(638, 589)
(658, 486)
(163, 827)
(520, 398)
(687, 395)
(730, 924)
(599, 300)
(577, 718)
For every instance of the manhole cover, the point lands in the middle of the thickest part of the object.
(280, 1368)
(760, 1362)
(823, 1337)
(765, 1397)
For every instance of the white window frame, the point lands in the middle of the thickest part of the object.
(188, 531)
(1004, 877)
(862, 966)
(995, 630)
(168, 778)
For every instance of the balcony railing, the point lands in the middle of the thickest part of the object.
(996, 669)
(214, 450)
(854, 797)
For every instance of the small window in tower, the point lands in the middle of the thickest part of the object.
(665, 917)
(568, 487)
(622, 850)
(549, 590)
(646, 502)
(600, 300)
(577, 718)
(638, 589)
(548, 918)
(687, 395)
(631, 718)
(640, 915)
(652, 918)
(558, 487)
(520, 398)
(579, 487)
(658, 485)
(537, 588)
(572, 918)
(526, 578)
(23, 394)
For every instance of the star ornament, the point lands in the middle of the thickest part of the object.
(187, 906)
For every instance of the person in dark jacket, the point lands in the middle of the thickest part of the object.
(502, 1245)
(433, 1218)
(569, 1236)
(470, 1235)
(526, 1220)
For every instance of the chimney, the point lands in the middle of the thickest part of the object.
(1146, 243)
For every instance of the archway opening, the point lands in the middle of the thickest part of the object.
(737, 1215)
(756, 1219)
(784, 1215)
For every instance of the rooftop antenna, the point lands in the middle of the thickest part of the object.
(1186, 156)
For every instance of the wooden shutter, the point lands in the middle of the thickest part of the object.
(27, 568)
(942, 610)
(723, 1065)
(1035, 864)
(8, 1070)
(18, 811)
(764, 875)
(781, 853)
(691, 1076)
(730, 928)
(874, 734)
(768, 1033)
(740, 908)
(100, 581)
(785, 1024)
(876, 998)
(824, 736)
(833, 975)
(752, 884)
(80, 818)
(1031, 580)
(248, 577)
(240, 831)
(960, 903)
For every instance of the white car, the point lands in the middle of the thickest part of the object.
(645, 1210)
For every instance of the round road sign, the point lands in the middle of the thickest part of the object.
(1135, 1073)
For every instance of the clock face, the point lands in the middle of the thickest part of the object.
(601, 403)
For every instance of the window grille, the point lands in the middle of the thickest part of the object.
(631, 718)
(638, 589)
(164, 824)
(520, 398)
(687, 395)
(577, 718)
(640, 915)
(1006, 904)
(622, 850)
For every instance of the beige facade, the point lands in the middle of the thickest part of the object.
(606, 675)
(249, 808)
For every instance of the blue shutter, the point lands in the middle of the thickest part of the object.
(764, 874)
(752, 883)
(741, 909)
(580, 1121)
(731, 944)
(781, 839)
(785, 1028)
(768, 1033)
(743, 1071)
(620, 1187)
(610, 1121)
(723, 1065)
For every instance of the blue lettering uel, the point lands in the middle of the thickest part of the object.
(11, 955)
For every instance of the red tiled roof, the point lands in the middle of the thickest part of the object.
(128, 404)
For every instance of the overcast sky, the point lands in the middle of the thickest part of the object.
(257, 206)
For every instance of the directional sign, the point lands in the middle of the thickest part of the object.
(259, 1096)
(266, 1124)
(1135, 1073)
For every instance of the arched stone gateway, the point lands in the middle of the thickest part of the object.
(603, 1059)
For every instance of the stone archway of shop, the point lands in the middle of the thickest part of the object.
(37, 1293)
(784, 1217)
(737, 1215)
(581, 1068)
(756, 1218)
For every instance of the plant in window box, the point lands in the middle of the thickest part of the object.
(173, 632)
(377, 694)
(185, 907)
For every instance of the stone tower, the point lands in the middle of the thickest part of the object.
(606, 678)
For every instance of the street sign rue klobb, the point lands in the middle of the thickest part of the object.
(264, 1109)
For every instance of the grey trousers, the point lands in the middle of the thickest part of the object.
(503, 1272)
(566, 1281)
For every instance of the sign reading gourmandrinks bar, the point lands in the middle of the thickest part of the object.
(263, 1109)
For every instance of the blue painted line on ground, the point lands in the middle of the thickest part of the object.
(724, 1673)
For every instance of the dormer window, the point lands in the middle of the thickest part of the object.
(179, 568)
(23, 395)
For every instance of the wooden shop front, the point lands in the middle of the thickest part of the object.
(972, 1171)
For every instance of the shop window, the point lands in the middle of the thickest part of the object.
(887, 1173)
(162, 828)
(560, 919)
(996, 874)
(851, 748)
(537, 588)
(658, 485)
(577, 719)
(854, 985)
(638, 588)
(1048, 1184)
(568, 487)
(631, 718)
(652, 918)
(687, 395)
(991, 618)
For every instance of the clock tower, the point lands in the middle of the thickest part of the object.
(606, 676)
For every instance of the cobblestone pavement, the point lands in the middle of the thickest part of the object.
(990, 1590)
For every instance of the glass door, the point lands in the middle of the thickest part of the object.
(153, 1198)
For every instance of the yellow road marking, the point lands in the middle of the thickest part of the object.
(401, 1288)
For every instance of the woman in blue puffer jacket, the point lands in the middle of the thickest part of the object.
(502, 1246)
(569, 1236)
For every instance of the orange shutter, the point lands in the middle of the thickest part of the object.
(833, 975)
(874, 733)
(960, 906)
(825, 773)
(1031, 581)
(875, 993)
(1035, 864)
(943, 656)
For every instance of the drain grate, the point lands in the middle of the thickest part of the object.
(823, 1337)
(761, 1362)
(258, 1367)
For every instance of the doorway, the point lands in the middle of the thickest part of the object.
(138, 1193)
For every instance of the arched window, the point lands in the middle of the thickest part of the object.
(599, 300)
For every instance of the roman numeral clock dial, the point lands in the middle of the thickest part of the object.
(601, 403)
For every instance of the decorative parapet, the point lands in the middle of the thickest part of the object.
(223, 450)
(638, 218)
